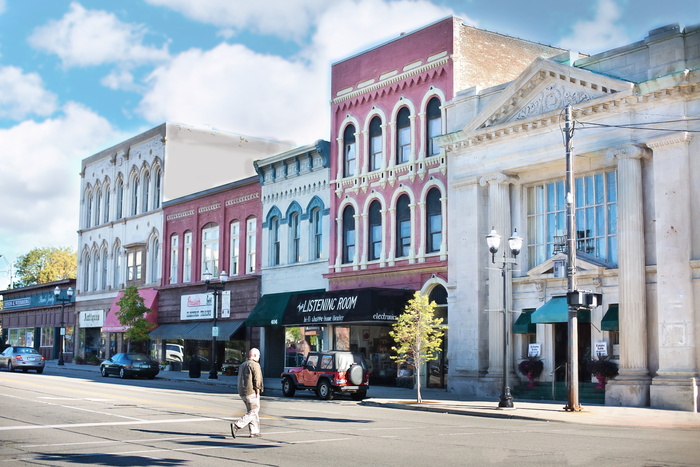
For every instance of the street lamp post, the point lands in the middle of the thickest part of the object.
(217, 288)
(57, 296)
(515, 243)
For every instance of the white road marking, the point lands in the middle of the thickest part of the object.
(84, 425)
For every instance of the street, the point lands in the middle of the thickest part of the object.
(90, 420)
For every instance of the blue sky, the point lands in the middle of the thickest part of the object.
(79, 76)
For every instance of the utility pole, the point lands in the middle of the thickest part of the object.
(572, 368)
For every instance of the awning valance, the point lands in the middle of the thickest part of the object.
(370, 305)
(556, 310)
(611, 320)
(196, 331)
(524, 324)
(150, 301)
(269, 310)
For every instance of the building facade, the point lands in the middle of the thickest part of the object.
(634, 113)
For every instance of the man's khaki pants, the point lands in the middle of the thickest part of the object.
(251, 418)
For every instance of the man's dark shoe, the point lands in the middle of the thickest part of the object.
(255, 435)
(234, 430)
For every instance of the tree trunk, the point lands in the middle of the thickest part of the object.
(419, 399)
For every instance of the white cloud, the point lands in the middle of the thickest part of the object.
(234, 88)
(92, 37)
(2, 6)
(597, 35)
(23, 95)
(40, 175)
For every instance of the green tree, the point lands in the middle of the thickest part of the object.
(43, 265)
(132, 314)
(418, 335)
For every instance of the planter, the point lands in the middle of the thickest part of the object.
(531, 378)
(601, 381)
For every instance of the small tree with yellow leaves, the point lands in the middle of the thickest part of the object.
(418, 335)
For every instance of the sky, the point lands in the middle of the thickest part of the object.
(77, 77)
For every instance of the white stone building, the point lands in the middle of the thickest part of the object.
(636, 117)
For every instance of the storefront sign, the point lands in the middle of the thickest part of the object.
(601, 348)
(347, 306)
(35, 300)
(91, 319)
(197, 306)
(534, 350)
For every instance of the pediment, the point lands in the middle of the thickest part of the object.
(585, 264)
(546, 86)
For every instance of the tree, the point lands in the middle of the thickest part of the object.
(43, 265)
(131, 314)
(418, 335)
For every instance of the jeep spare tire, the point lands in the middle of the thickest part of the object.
(356, 374)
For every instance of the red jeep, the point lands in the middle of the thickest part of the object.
(327, 373)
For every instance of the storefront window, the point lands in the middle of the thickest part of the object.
(68, 339)
(47, 337)
(342, 338)
(21, 336)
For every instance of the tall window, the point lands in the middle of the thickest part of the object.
(434, 126)
(94, 274)
(251, 240)
(156, 193)
(174, 238)
(376, 144)
(146, 190)
(235, 246)
(103, 273)
(316, 233)
(120, 200)
(433, 223)
(187, 257)
(274, 240)
(349, 152)
(403, 227)
(596, 217)
(135, 196)
(154, 260)
(88, 209)
(117, 264)
(375, 231)
(348, 235)
(98, 203)
(294, 238)
(134, 265)
(403, 136)
(106, 213)
(86, 275)
(210, 249)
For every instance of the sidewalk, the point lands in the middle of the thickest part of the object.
(435, 400)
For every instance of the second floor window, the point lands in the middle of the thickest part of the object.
(376, 144)
(88, 211)
(348, 235)
(375, 231)
(434, 126)
(316, 228)
(403, 227)
(134, 265)
(274, 241)
(187, 257)
(174, 258)
(349, 153)
(403, 136)
(134, 196)
(251, 244)
(294, 238)
(434, 221)
(98, 203)
(210, 249)
(235, 248)
(106, 213)
(146, 192)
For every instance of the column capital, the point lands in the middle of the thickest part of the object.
(498, 178)
(630, 151)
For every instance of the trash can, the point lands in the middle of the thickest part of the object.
(195, 367)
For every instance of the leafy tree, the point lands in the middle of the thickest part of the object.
(131, 314)
(418, 335)
(43, 265)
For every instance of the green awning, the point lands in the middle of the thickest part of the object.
(556, 310)
(611, 320)
(524, 325)
(270, 309)
(196, 330)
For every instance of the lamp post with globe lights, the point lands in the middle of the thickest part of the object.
(217, 288)
(63, 300)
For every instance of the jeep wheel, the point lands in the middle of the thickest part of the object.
(356, 375)
(359, 395)
(324, 390)
(288, 387)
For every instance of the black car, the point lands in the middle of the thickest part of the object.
(128, 365)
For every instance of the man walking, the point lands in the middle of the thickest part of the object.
(250, 385)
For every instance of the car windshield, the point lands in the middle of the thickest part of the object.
(135, 357)
(25, 350)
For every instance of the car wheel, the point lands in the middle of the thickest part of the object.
(122, 373)
(103, 370)
(324, 390)
(359, 395)
(288, 387)
(10, 367)
(356, 374)
(39, 370)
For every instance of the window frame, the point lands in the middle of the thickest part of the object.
(403, 223)
(376, 144)
(375, 238)
(349, 235)
(403, 136)
(433, 214)
(349, 152)
(209, 249)
(433, 126)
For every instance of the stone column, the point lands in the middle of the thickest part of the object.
(673, 387)
(499, 219)
(631, 387)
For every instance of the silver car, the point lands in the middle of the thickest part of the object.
(22, 358)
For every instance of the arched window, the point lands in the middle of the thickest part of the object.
(103, 274)
(294, 238)
(316, 227)
(274, 240)
(120, 200)
(174, 248)
(434, 126)
(94, 273)
(403, 227)
(117, 264)
(107, 199)
(88, 209)
(146, 189)
(235, 247)
(251, 243)
(86, 271)
(187, 257)
(376, 144)
(156, 193)
(348, 235)
(403, 136)
(210, 249)
(154, 260)
(98, 203)
(349, 153)
(135, 196)
(375, 231)
(433, 222)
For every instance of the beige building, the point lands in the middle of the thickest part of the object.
(635, 117)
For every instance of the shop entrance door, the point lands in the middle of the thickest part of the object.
(561, 350)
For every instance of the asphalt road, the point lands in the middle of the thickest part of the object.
(69, 420)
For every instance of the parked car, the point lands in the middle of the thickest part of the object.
(328, 373)
(128, 365)
(24, 358)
